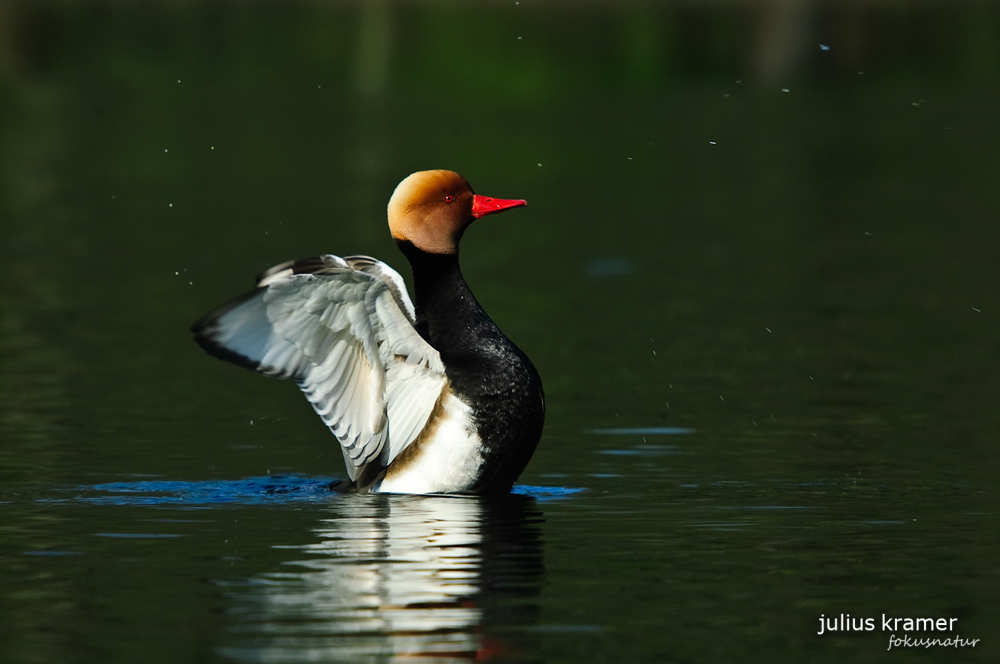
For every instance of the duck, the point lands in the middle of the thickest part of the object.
(424, 396)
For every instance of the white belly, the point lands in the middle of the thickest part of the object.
(447, 460)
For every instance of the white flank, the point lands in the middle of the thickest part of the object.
(447, 461)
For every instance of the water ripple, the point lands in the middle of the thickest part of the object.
(643, 431)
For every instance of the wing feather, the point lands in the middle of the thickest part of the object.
(411, 396)
(343, 330)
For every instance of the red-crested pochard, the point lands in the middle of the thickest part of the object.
(425, 399)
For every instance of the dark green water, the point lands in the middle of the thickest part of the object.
(761, 286)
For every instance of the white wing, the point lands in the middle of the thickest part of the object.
(343, 330)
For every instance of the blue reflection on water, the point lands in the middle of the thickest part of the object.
(52, 553)
(544, 494)
(643, 450)
(271, 489)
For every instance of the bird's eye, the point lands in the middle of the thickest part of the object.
(449, 198)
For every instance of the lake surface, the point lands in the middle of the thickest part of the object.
(758, 274)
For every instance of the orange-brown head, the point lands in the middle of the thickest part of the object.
(431, 210)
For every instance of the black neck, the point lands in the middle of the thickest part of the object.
(448, 315)
(434, 275)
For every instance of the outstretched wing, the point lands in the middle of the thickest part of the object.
(343, 330)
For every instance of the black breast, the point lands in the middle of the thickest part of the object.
(485, 368)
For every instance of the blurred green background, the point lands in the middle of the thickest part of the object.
(770, 222)
(739, 159)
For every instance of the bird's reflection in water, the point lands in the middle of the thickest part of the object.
(420, 578)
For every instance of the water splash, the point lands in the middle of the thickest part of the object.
(267, 490)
